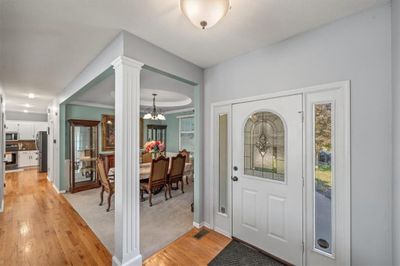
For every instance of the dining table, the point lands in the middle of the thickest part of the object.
(145, 169)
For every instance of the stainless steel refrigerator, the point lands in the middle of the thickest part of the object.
(41, 144)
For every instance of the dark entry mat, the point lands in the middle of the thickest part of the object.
(238, 254)
(201, 233)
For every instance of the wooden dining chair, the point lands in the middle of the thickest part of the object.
(185, 153)
(106, 184)
(146, 157)
(176, 173)
(157, 179)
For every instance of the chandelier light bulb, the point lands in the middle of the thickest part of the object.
(204, 13)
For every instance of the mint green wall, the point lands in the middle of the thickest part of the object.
(71, 111)
(87, 113)
(172, 129)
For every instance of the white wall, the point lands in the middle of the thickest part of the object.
(356, 48)
(2, 148)
(53, 162)
(396, 128)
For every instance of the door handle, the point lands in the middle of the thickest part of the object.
(234, 178)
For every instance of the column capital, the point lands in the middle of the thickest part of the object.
(124, 60)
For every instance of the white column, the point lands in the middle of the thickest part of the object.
(127, 104)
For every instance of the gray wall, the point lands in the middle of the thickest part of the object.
(357, 48)
(396, 128)
(11, 115)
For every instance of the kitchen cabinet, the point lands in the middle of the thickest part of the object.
(28, 158)
(12, 126)
(26, 130)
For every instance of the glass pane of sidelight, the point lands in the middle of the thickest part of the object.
(264, 146)
(323, 177)
(223, 162)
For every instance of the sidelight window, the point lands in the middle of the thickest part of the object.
(323, 177)
(223, 162)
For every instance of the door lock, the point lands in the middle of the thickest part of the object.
(235, 168)
(234, 178)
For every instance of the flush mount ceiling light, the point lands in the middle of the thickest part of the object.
(154, 114)
(205, 13)
(31, 96)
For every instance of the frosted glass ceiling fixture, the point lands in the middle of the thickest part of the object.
(154, 114)
(205, 13)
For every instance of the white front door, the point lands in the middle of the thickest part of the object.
(267, 170)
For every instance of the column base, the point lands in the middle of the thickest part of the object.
(136, 261)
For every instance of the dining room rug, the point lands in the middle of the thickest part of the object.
(160, 224)
(239, 254)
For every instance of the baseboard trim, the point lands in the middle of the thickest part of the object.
(14, 171)
(2, 206)
(202, 224)
(222, 232)
(136, 261)
(197, 225)
(58, 191)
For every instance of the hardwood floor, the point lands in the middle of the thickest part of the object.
(188, 250)
(39, 227)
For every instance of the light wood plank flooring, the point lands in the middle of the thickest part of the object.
(39, 227)
(188, 250)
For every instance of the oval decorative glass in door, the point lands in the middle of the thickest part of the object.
(264, 146)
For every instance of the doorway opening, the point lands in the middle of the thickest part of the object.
(88, 136)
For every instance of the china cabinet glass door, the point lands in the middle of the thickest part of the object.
(83, 152)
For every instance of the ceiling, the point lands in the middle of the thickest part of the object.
(44, 44)
(172, 95)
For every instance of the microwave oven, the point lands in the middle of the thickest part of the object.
(12, 136)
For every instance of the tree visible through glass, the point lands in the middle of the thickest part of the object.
(323, 176)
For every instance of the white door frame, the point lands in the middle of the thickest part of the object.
(227, 105)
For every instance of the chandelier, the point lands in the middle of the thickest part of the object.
(154, 114)
(204, 13)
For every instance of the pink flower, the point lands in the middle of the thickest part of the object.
(161, 147)
(154, 146)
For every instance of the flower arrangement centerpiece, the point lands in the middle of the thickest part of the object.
(154, 147)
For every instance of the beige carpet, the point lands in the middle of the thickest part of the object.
(160, 224)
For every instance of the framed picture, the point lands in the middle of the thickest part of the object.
(107, 132)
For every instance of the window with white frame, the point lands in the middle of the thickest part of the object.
(186, 133)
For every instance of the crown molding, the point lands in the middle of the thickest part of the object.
(179, 111)
(98, 105)
(106, 106)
